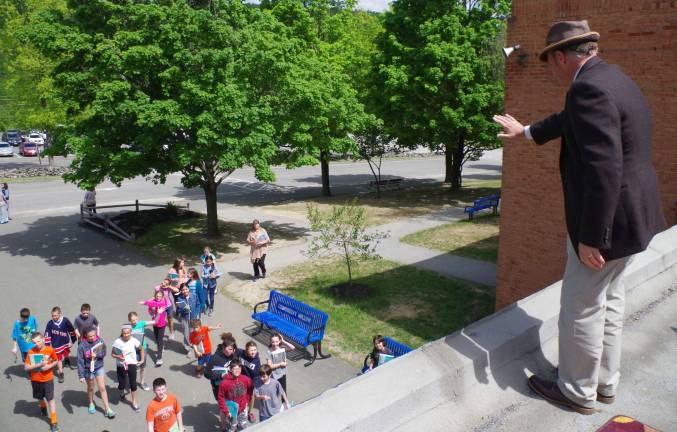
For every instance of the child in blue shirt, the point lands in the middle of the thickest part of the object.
(24, 327)
(210, 273)
(188, 309)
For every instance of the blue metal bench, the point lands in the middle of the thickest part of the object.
(488, 202)
(296, 320)
(398, 349)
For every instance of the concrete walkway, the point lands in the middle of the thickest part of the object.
(392, 248)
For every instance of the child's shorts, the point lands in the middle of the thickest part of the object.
(63, 354)
(138, 359)
(204, 360)
(43, 390)
(89, 375)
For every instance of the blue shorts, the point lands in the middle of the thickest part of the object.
(92, 375)
(138, 359)
(203, 360)
(169, 311)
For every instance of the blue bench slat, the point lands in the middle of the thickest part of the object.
(397, 348)
(483, 203)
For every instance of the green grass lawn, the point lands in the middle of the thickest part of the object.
(476, 238)
(406, 202)
(410, 305)
(187, 238)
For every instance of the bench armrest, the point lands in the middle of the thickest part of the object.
(260, 303)
(310, 333)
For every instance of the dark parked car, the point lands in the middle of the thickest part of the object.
(12, 136)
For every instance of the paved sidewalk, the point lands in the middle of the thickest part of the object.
(392, 248)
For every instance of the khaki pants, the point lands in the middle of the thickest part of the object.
(590, 329)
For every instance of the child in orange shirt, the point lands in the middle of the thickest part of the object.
(201, 344)
(40, 362)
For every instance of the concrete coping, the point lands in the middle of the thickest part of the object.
(450, 367)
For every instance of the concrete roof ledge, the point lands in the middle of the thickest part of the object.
(449, 368)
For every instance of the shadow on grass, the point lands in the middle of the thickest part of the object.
(485, 249)
(187, 237)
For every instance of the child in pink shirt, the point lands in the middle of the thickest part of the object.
(168, 290)
(157, 307)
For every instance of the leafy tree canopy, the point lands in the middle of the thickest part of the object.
(27, 97)
(162, 86)
(438, 78)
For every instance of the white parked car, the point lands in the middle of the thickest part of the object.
(6, 149)
(36, 138)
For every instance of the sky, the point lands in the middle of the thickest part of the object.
(373, 5)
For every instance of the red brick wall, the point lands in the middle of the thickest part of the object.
(638, 35)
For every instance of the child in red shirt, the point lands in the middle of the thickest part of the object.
(201, 344)
(239, 389)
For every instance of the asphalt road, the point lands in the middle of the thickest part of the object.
(240, 189)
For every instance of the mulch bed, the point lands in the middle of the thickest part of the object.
(140, 222)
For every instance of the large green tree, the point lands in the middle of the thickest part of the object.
(27, 98)
(328, 110)
(165, 86)
(438, 76)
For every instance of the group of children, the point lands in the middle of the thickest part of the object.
(239, 381)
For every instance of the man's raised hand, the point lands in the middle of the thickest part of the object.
(511, 127)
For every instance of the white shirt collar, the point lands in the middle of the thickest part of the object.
(577, 72)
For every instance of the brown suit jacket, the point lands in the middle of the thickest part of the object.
(611, 195)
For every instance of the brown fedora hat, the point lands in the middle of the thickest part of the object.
(565, 33)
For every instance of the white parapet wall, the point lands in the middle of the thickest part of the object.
(450, 368)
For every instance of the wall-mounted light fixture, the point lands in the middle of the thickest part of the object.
(521, 59)
(509, 50)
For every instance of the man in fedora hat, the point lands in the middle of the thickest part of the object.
(612, 209)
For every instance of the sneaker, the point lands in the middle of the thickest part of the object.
(255, 278)
(110, 413)
(60, 375)
(171, 336)
(210, 312)
(43, 411)
(136, 409)
(145, 387)
(91, 409)
(123, 395)
(54, 428)
(158, 363)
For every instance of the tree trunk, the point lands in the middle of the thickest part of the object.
(350, 272)
(448, 163)
(457, 164)
(324, 164)
(212, 212)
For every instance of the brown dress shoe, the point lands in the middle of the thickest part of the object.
(605, 399)
(549, 390)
